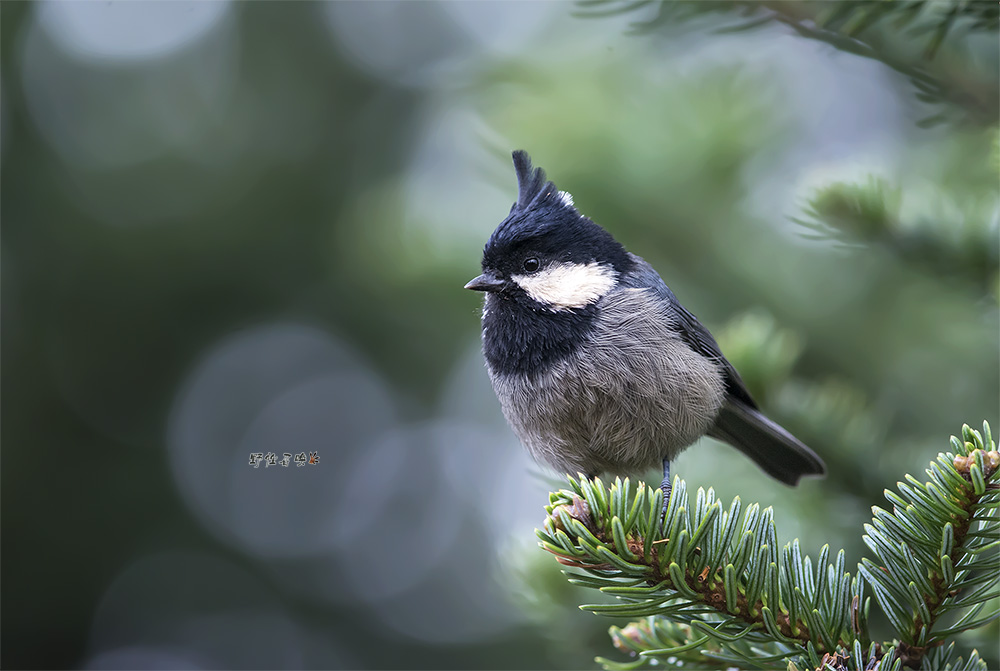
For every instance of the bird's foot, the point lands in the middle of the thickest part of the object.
(665, 486)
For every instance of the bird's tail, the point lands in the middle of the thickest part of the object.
(780, 454)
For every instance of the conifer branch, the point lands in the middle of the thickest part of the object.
(712, 586)
(861, 27)
(962, 245)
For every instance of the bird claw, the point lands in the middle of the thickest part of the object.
(666, 489)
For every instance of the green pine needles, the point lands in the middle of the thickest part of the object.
(714, 590)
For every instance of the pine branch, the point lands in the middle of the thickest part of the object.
(714, 588)
(861, 27)
(718, 571)
(962, 244)
(936, 551)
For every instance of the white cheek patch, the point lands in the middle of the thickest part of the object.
(566, 198)
(563, 286)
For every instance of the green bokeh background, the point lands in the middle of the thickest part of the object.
(335, 168)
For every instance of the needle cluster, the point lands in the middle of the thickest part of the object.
(712, 587)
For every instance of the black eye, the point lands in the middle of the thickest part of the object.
(531, 264)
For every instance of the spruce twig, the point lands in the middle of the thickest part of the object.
(864, 28)
(712, 586)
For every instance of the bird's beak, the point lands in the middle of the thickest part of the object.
(486, 282)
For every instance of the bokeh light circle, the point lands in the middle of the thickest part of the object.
(281, 388)
(128, 31)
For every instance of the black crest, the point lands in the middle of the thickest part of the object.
(546, 221)
(529, 182)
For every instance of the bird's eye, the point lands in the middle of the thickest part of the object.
(531, 264)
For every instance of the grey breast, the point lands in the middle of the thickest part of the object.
(633, 394)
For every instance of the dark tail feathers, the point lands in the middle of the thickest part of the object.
(780, 454)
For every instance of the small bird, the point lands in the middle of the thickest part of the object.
(597, 365)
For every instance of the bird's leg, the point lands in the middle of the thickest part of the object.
(666, 484)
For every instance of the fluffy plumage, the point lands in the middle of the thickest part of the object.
(613, 403)
(596, 364)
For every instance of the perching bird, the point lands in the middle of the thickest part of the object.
(597, 366)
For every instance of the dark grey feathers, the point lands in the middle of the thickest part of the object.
(779, 454)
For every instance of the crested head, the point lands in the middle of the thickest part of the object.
(546, 252)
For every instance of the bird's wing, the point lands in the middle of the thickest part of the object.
(690, 329)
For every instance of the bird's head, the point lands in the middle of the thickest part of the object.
(545, 253)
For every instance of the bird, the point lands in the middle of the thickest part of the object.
(597, 366)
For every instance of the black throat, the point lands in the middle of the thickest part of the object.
(527, 340)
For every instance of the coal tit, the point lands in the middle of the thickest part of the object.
(597, 366)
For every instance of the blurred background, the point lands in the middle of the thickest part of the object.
(243, 228)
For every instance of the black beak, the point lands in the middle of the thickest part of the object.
(486, 282)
